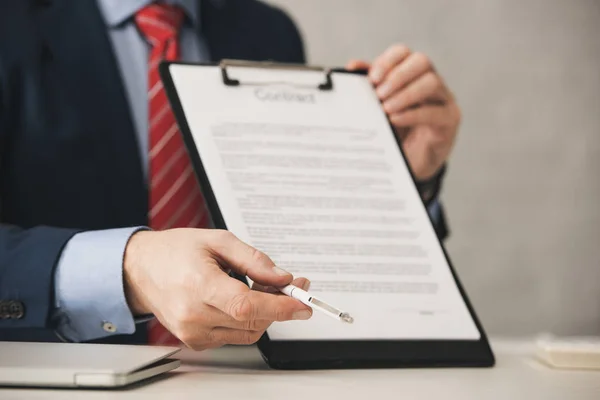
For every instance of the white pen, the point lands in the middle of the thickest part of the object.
(315, 303)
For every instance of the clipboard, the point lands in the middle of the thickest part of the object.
(467, 347)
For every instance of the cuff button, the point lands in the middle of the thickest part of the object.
(109, 327)
(16, 309)
(4, 309)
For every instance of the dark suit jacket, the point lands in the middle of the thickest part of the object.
(68, 154)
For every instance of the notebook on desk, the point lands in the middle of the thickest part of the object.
(81, 365)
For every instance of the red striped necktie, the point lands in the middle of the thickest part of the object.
(175, 197)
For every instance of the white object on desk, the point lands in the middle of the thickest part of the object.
(570, 352)
(81, 365)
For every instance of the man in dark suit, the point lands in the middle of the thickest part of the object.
(90, 156)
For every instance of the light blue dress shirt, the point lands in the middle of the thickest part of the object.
(90, 299)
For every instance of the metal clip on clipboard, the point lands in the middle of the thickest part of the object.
(227, 80)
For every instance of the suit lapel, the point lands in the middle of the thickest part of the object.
(81, 58)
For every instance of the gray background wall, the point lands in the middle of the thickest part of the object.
(523, 190)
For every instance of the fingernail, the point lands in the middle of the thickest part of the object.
(376, 75)
(304, 314)
(280, 272)
(306, 285)
(384, 90)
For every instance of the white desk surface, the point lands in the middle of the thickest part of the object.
(240, 373)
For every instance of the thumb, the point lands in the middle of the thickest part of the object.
(246, 260)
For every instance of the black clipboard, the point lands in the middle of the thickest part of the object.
(317, 354)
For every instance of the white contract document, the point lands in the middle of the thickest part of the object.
(315, 179)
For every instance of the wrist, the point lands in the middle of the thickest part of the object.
(132, 273)
(430, 188)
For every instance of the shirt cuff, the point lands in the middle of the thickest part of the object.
(88, 286)
(434, 211)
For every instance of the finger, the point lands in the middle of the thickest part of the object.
(355, 65)
(302, 283)
(212, 316)
(233, 336)
(430, 115)
(237, 300)
(265, 289)
(413, 67)
(386, 62)
(258, 305)
(226, 321)
(246, 260)
(426, 88)
(194, 329)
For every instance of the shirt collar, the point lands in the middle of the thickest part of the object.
(115, 12)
